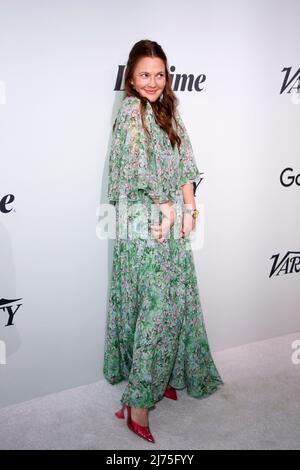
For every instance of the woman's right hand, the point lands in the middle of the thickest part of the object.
(160, 231)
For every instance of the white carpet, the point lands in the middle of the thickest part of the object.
(257, 408)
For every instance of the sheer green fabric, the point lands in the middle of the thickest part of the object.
(140, 165)
(155, 331)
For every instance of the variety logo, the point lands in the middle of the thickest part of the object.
(4, 203)
(182, 82)
(289, 263)
(290, 81)
(287, 178)
(2, 92)
(2, 353)
(10, 307)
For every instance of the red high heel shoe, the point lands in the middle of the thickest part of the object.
(141, 431)
(170, 392)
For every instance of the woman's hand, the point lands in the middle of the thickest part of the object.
(160, 231)
(188, 224)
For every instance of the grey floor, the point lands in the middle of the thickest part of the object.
(257, 408)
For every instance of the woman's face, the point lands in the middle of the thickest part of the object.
(149, 77)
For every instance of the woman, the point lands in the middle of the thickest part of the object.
(155, 335)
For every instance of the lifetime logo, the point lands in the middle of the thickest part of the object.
(290, 263)
(5, 201)
(11, 309)
(184, 81)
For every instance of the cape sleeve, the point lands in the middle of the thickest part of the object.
(132, 168)
(128, 157)
(188, 170)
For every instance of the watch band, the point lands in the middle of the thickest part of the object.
(194, 212)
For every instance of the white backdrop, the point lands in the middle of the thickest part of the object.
(58, 68)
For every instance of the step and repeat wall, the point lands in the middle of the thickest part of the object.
(235, 69)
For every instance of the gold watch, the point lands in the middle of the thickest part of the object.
(193, 212)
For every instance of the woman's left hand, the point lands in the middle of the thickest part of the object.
(188, 225)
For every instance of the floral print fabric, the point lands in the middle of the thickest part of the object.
(155, 331)
(140, 165)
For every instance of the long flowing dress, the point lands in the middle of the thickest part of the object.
(155, 331)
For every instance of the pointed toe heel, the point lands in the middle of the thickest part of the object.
(120, 413)
(141, 431)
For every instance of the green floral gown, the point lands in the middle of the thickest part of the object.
(155, 331)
